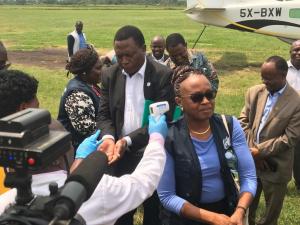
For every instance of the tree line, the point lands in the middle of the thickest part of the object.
(95, 2)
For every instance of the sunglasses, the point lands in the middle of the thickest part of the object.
(199, 96)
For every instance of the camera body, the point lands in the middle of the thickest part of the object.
(27, 145)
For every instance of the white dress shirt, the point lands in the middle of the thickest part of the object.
(134, 101)
(293, 76)
(114, 196)
(161, 60)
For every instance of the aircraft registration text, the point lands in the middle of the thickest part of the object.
(262, 12)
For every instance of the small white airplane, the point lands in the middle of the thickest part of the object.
(279, 18)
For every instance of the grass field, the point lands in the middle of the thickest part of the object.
(236, 55)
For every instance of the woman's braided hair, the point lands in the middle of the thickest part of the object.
(82, 61)
(181, 73)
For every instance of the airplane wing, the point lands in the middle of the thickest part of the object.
(286, 40)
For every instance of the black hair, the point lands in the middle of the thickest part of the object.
(83, 61)
(174, 39)
(280, 64)
(16, 87)
(129, 31)
(78, 23)
(180, 74)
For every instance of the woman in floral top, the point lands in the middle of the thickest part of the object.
(79, 104)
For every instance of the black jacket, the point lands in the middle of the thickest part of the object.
(187, 166)
(79, 85)
(157, 87)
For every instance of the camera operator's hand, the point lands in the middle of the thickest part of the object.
(159, 126)
(89, 145)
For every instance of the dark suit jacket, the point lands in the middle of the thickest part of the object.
(280, 133)
(157, 87)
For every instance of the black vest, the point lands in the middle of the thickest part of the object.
(76, 84)
(188, 169)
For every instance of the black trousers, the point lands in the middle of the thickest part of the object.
(151, 206)
(296, 170)
(151, 213)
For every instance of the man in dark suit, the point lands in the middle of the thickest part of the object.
(127, 89)
(271, 122)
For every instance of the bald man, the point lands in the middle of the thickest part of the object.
(4, 64)
(158, 46)
(76, 39)
(271, 122)
(293, 78)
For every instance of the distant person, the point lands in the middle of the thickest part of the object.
(158, 46)
(271, 122)
(4, 64)
(197, 185)
(79, 104)
(18, 91)
(127, 88)
(76, 39)
(293, 78)
(180, 55)
(109, 58)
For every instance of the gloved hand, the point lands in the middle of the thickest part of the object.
(159, 126)
(89, 145)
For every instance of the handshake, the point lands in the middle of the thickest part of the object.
(115, 151)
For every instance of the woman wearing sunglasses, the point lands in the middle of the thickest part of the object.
(197, 185)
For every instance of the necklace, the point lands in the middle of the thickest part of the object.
(201, 133)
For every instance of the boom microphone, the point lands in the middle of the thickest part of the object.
(80, 185)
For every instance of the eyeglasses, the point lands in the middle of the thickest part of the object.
(199, 96)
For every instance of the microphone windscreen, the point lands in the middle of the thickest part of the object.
(90, 171)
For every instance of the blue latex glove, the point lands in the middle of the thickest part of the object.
(89, 145)
(159, 126)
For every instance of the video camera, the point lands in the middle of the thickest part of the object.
(27, 144)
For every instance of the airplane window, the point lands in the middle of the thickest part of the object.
(294, 13)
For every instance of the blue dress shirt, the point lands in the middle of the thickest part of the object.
(271, 101)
